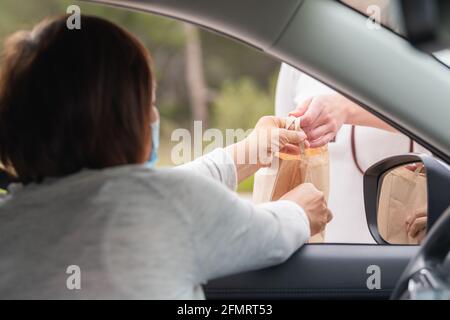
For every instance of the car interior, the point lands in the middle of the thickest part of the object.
(395, 80)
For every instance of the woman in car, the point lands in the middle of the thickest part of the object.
(90, 219)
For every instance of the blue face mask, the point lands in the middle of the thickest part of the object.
(155, 145)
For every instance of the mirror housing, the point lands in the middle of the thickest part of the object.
(438, 188)
(426, 23)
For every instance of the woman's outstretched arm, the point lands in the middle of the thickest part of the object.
(244, 158)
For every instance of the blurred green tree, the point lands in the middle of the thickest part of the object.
(241, 103)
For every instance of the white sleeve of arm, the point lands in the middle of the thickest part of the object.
(232, 235)
(217, 165)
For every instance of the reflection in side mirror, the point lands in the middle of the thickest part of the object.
(402, 204)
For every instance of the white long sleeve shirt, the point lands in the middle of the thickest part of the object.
(134, 232)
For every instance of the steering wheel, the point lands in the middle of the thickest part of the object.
(424, 277)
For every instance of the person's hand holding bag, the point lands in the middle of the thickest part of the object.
(314, 204)
(257, 149)
(271, 136)
(322, 117)
(416, 225)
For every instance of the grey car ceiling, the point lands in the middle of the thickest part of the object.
(332, 43)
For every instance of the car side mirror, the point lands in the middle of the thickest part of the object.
(426, 23)
(404, 195)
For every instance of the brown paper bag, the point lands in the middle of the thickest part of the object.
(402, 192)
(288, 171)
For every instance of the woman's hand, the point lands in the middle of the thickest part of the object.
(314, 204)
(322, 116)
(271, 136)
(268, 137)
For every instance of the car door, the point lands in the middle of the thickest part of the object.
(380, 71)
(322, 271)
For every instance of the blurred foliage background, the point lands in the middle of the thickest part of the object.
(201, 75)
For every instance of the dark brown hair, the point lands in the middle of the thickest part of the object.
(73, 99)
